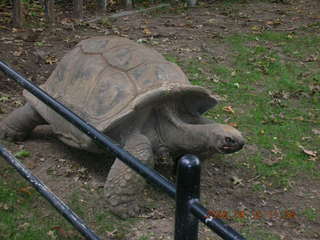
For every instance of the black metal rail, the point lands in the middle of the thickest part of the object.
(200, 212)
(58, 204)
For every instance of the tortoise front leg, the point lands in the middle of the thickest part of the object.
(19, 123)
(124, 188)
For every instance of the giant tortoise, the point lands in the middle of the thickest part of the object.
(136, 97)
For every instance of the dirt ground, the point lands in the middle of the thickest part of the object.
(35, 50)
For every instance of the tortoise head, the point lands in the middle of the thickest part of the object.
(205, 139)
(223, 138)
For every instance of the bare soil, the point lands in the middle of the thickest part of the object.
(34, 52)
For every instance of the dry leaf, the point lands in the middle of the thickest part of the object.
(60, 231)
(4, 206)
(26, 190)
(51, 59)
(233, 124)
(236, 180)
(276, 150)
(18, 53)
(255, 28)
(147, 32)
(52, 235)
(316, 131)
(308, 152)
(229, 109)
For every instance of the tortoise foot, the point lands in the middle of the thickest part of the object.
(7, 133)
(19, 124)
(124, 206)
(124, 191)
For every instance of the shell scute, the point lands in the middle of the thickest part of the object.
(130, 56)
(112, 92)
(94, 45)
(153, 75)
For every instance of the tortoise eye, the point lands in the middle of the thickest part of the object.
(229, 140)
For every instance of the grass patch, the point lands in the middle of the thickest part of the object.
(26, 215)
(17, 197)
(271, 85)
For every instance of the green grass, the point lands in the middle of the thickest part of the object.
(269, 86)
(25, 215)
(263, 234)
(17, 199)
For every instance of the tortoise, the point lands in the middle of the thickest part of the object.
(132, 94)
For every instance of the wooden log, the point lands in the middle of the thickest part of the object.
(49, 10)
(101, 7)
(78, 9)
(17, 13)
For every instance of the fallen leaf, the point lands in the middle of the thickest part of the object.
(229, 109)
(236, 180)
(233, 124)
(4, 206)
(51, 59)
(312, 58)
(255, 28)
(24, 226)
(52, 235)
(316, 131)
(276, 150)
(147, 32)
(237, 85)
(308, 152)
(4, 99)
(26, 190)
(61, 231)
(18, 53)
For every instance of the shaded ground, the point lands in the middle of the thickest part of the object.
(184, 34)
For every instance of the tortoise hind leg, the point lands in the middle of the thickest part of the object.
(124, 187)
(19, 123)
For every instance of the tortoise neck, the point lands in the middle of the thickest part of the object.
(180, 136)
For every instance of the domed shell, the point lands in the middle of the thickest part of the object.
(106, 79)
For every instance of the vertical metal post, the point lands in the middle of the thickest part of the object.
(78, 9)
(191, 3)
(17, 13)
(101, 7)
(49, 10)
(188, 191)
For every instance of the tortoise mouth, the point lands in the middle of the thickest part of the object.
(230, 148)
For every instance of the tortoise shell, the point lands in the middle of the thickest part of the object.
(106, 79)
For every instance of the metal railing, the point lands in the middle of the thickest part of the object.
(188, 208)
